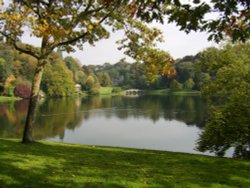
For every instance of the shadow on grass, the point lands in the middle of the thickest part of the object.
(58, 165)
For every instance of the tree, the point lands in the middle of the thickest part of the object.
(175, 85)
(185, 71)
(2, 70)
(64, 24)
(1, 89)
(58, 80)
(232, 18)
(189, 84)
(157, 62)
(229, 102)
(92, 84)
(81, 78)
(104, 78)
(6, 61)
(74, 66)
(24, 66)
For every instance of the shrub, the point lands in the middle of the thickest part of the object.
(175, 85)
(116, 90)
(189, 84)
(1, 89)
(22, 91)
(9, 91)
(95, 89)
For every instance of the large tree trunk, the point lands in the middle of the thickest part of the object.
(30, 118)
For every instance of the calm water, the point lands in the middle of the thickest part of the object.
(171, 123)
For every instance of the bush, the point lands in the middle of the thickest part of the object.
(22, 91)
(175, 85)
(189, 84)
(9, 91)
(116, 90)
(95, 89)
(1, 89)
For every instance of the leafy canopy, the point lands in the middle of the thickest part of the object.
(229, 100)
(64, 24)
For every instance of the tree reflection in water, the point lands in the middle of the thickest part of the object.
(56, 115)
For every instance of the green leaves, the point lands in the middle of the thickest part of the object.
(229, 95)
(58, 80)
(231, 18)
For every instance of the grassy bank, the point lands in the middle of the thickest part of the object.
(185, 92)
(45, 164)
(172, 92)
(110, 91)
(158, 92)
(5, 99)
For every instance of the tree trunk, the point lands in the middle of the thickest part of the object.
(30, 118)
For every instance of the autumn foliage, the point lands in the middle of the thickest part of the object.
(22, 90)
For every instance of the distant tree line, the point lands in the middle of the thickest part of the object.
(62, 74)
(16, 73)
(189, 75)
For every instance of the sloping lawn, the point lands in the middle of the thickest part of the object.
(45, 164)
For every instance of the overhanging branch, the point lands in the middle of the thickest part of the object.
(24, 48)
(73, 40)
(27, 49)
(70, 41)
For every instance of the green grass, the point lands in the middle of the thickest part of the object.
(45, 164)
(168, 91)
(5, 98)
(186, 92)
(105, 90)
(158, 92)
(108, 91)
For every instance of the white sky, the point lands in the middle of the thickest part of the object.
(177, 43)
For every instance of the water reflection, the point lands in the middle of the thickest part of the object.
(188, 109)
(12, 118)
(152, 122)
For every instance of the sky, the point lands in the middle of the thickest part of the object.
(177, 43)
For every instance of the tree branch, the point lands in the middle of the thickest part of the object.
(27, 49)
(88, 6)
(70, 41)
(24, 48)
(85, 13)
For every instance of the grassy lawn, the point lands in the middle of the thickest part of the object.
(158, 92)
(4, 98)
(186, 92)
(105, 90)
(108, 91)
(168, 91)
(45, 164)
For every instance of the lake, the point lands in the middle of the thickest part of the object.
(171, 123)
